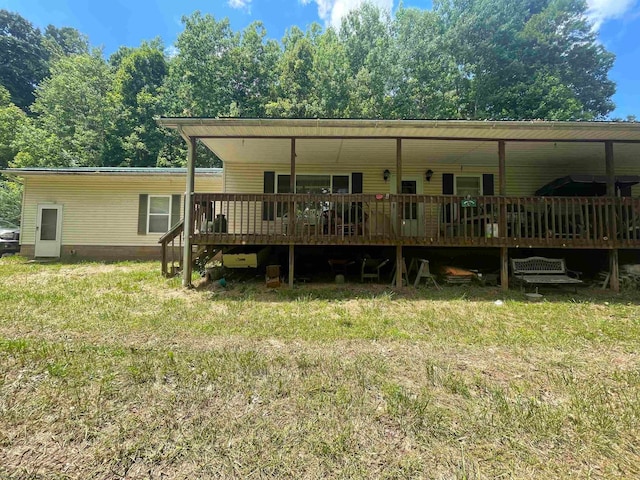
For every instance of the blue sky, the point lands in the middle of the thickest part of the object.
(111, 23)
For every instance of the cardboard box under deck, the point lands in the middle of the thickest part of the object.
(245, 259)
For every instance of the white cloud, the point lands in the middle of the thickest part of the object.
(240, 4)
(171, 51)
(599, 11)
(333, 11)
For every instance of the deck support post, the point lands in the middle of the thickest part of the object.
(504, 268)
(187, 253)
(614, 279)
(291, 264)
(399, 267)
(400, 208)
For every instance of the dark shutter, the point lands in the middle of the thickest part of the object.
(447, 183)
(447, 189)
(625, 191)
(269, 182)
(284, 186)
(269, 187)
(487, 184)
(356, 182)
(142, 214)
(175, 210)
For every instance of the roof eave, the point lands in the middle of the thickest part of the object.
(20, 172)
(394, 128)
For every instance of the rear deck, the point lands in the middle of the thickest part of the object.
(220, 220)
(415, 220)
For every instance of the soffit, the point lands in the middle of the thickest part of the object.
(422, 152)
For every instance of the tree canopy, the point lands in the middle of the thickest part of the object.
(64, 104)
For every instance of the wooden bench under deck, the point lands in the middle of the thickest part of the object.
(542, 271)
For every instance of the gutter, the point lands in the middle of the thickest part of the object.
(18, 172)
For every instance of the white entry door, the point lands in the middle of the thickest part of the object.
(413, 212)
(48, 231)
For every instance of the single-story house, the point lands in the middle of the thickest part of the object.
(104, 213)
(418, 183)
(389, 183)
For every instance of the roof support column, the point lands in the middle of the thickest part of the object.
(613, 234)
(188, 210)
(502, 168)
(292, 212)
(502, 226)
(399, 261)
(610, 169)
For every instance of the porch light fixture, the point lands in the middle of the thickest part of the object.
(428, 175)
(386, 174)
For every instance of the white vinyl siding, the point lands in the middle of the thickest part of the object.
(248, 178)
(102, 209)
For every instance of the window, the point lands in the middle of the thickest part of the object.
(159, 213)
(468, 186)
(340, 184)
(313, 184)
(322, 184)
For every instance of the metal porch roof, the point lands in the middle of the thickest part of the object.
(434, 129)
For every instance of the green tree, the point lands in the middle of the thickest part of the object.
(252, 61)
(294, 87)
(366, 35)
(10, 201)
(116, 57)
(330, 77)
(37, 147)
(73, 108)
(424, 73)
(200, 74)
(65, 41)
(134, 137)
(23, 58)
(523, 59)
(11, 120)
(215, 72)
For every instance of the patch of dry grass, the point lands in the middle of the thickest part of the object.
(114, 372)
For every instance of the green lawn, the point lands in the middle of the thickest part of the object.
(111, 371)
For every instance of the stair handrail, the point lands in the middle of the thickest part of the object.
(165, 240)
(176, 230)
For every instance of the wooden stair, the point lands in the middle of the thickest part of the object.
(172, 256)
(172, 259)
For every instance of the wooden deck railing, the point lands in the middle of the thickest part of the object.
(446, 220)
(172, 259)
